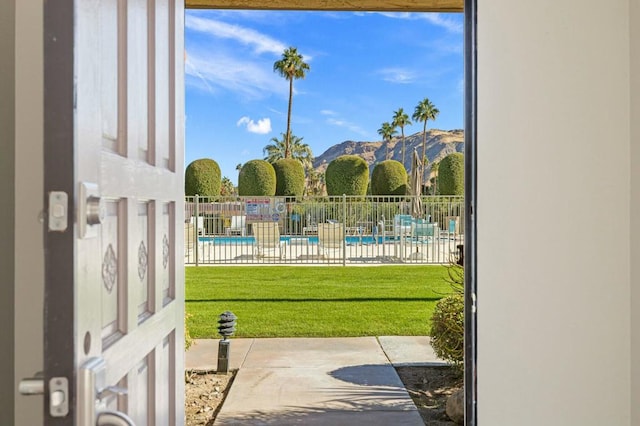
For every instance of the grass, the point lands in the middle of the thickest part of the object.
(277, 301)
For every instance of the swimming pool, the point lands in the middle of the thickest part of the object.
(293, 240)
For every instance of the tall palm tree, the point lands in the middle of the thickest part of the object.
(291, 67)
(387, 131)
(401, 119)
(425, 111)
(298, 150)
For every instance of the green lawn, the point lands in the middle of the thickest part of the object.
(290, 301)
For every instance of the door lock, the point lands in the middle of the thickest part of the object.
(91, 210)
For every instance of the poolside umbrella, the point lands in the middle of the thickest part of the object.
(416, 185)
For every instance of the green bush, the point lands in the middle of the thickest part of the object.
(348, 174)
(389, 178)
(447, 329)
(289, 177)
(202, 177)
(451, 175)
(257, 177)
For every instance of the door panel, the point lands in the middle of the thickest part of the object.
(126, 332)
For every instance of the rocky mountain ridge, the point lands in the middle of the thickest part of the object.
(440, 143)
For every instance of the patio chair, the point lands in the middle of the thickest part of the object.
(189, 242)
(330, 237)
(402, 225)
(198, 222)
(267, 235)
(238, 225)
(422, 230)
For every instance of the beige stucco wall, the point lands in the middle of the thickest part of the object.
(553, 213)
(29, 254)
(635, 211)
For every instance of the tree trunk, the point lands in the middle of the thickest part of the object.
(424, 152)
(288, 136)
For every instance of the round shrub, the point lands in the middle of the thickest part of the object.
(289, 177)
(451, 175)
(257, 177)
(389, 178)
(348, 174)
(447, 329)
(202, 177)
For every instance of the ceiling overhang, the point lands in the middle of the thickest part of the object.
(338, 5)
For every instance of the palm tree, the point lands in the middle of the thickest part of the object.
(425, 111)
(298, 150)
(291, 66)
(387, 131)
(401, 119)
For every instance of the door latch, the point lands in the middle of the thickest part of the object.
(58, 211)
(58, 392)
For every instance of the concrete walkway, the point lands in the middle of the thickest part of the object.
(317, 381)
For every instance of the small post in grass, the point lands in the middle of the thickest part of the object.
(226, 328)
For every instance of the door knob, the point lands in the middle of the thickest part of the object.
(113, 418)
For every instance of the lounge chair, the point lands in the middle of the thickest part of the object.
(330, 237)
(267, 235)
(238, 225)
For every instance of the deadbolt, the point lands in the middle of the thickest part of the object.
(95, 210)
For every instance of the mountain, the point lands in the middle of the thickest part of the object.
(440, 143)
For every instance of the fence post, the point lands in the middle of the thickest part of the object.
(195, 229)
(344, 229)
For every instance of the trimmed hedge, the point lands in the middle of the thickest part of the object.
(202, 177)
(348, 174)
(389, 178)
(451, 175)
(289, 177)
(257, 177)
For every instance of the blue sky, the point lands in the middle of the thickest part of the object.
(363, 67)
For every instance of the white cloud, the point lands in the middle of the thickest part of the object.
(452, 25)
(398, 75)
(347, 125)
(262, 127)
(259, 42)
(328, 112)
(252, 79)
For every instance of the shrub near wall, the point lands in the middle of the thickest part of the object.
(258, 178)
(348, 174)
(451, 175)
(202, 177)
(389, 178)
(289, 177)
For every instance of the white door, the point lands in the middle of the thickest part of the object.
(114, 125)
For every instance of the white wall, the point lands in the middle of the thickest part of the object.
(553, 213)
(29, 253)
(635, 212)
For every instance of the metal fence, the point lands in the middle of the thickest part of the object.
(323, 230)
